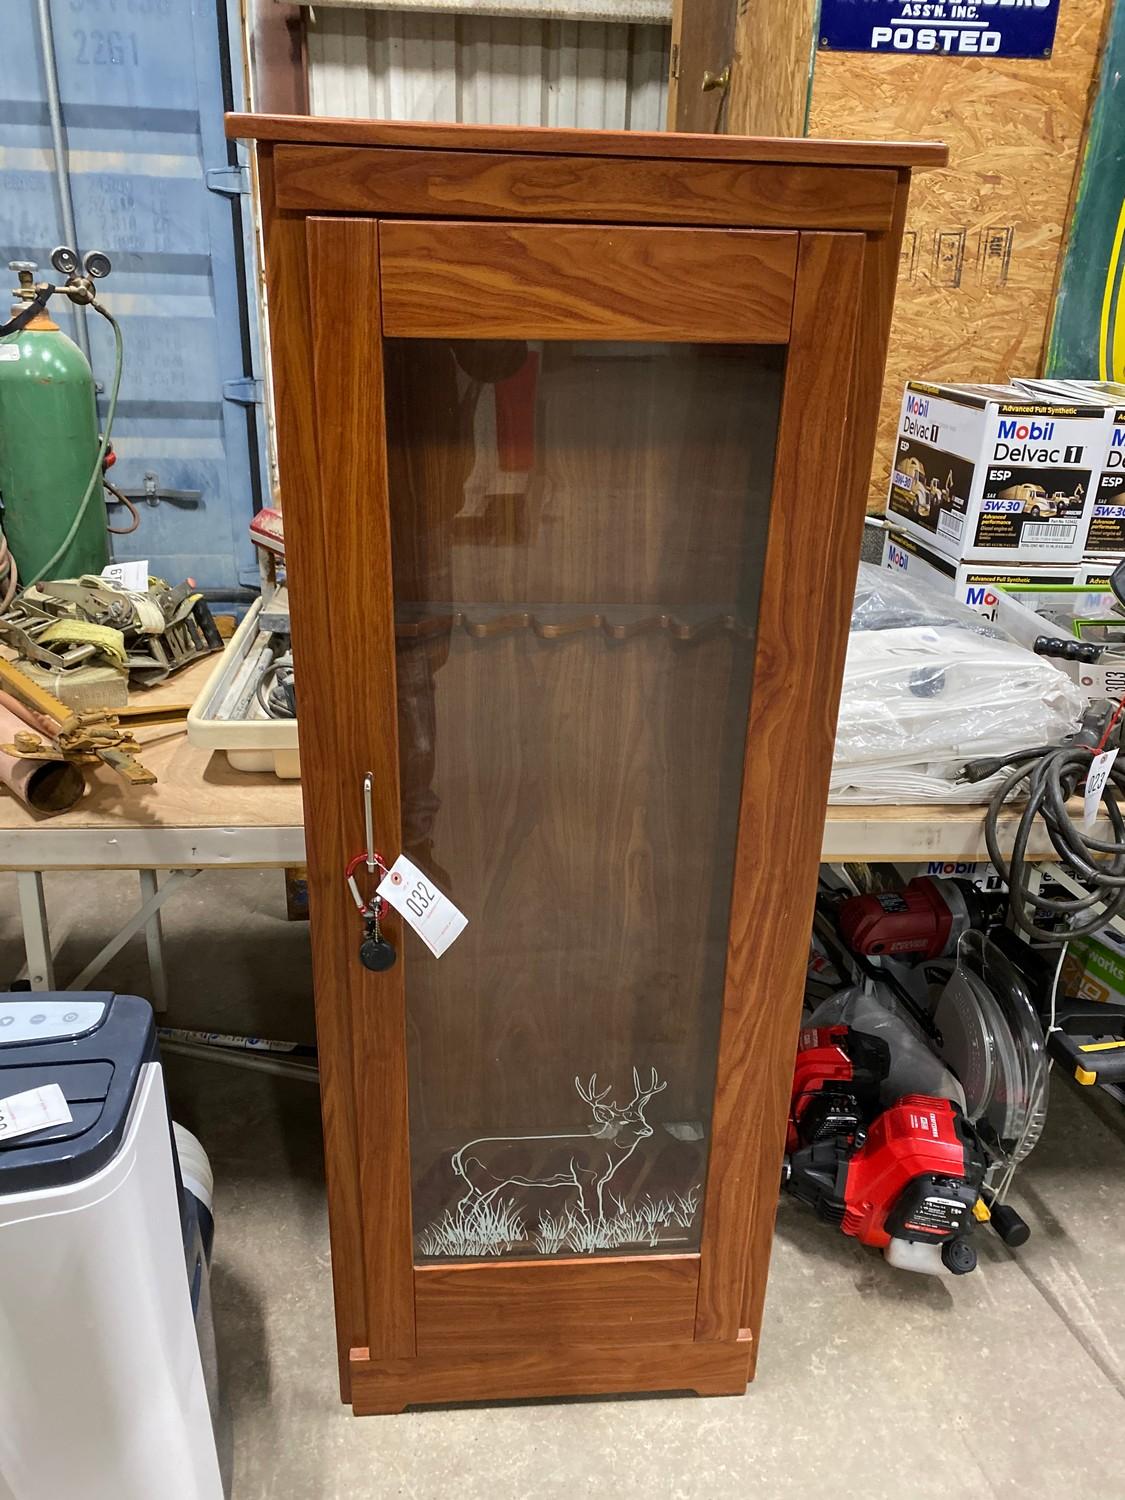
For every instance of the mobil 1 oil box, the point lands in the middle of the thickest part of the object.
(1106, 536)
(991, 473)
(978, 584)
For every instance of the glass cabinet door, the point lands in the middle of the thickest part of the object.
(578, 534)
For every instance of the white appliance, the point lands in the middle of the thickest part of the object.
(102, 1270)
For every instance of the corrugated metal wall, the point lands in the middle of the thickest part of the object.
(398, 66)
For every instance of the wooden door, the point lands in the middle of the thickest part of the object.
(739, 69)
(582, 490)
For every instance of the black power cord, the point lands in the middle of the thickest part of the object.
(277, 690)
(1053, 774)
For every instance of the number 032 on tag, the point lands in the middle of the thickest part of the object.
(433, 916)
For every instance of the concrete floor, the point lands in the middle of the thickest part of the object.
(871, 1383)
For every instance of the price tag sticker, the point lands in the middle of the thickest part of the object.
(38, 1109)
(1096, 778)
(128, 575)
(433, 916)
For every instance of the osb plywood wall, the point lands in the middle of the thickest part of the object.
(983, 239)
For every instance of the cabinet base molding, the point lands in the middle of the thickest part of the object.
(385, 1387)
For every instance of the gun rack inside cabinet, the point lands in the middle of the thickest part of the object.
(574, 434)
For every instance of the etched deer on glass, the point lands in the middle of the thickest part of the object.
(584, 1161)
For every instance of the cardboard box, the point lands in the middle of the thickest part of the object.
(1094, 969)
(975, 584)
(1106, 535)
(993, 474)
(1094, 573)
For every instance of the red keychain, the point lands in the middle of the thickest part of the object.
(375, 952)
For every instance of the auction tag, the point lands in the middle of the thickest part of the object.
(128, 575)
(433, 916)
(38, 1109)
(1096, 778)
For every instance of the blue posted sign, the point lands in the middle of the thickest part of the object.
(973, 28)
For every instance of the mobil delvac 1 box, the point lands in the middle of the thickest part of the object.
(1107, 523)
(976, 584)
(990, 474)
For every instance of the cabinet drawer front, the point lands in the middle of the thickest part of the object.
(474, 184)
(450, 280)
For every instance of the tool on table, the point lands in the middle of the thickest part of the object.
(86, 638)
(924, 920)
(80, 738)
(45, 783)
(145, 715)
(1088, 652)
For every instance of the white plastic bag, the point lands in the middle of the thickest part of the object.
(930, 684)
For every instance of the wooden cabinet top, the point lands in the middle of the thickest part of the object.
(547, 141)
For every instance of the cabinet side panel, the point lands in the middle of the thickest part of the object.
(354, 680)
(872, 338)
(308, 573)
(802, 626)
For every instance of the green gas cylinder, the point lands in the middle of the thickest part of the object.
(48, 448)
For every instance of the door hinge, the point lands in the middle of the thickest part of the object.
(246, 390)
(230, 180)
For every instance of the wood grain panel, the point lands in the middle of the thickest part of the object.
(358, 658)
(342, 179)
(512, 281)
(551, 140)
(814, 534)
(308, 569)
(709, 1369)
(841, 542)
(646, 1300)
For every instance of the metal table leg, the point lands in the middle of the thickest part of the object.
(154, 940)
(36, 934)
(141, 918)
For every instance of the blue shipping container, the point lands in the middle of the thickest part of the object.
(143, 85)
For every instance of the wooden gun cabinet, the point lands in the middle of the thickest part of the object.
(574, 434)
